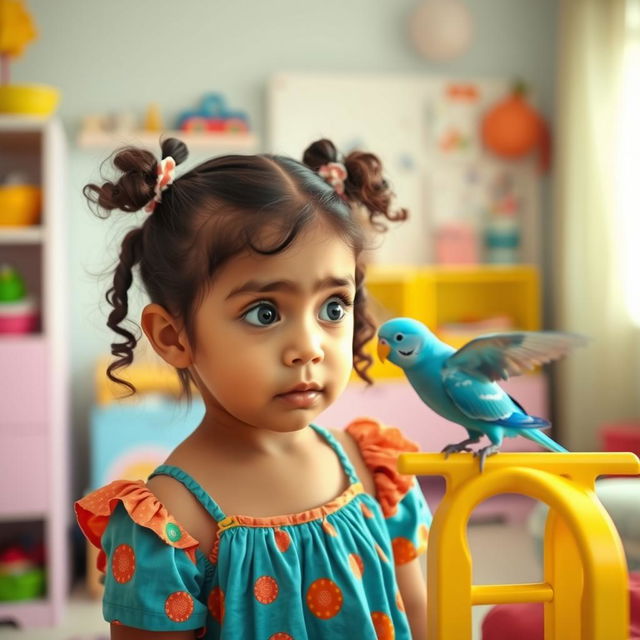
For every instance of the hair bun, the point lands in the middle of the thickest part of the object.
(174, 148)
(319, 153)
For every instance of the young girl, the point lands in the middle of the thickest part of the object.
(260, 525)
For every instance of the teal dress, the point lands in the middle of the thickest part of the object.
(323, 573)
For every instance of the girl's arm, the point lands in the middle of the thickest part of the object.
(414, 596)
(120, 632)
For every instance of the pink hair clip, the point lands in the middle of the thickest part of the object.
(165, 169)
(335, 173)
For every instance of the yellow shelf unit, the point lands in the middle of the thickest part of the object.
(464, 296)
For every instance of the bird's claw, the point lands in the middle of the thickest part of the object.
(484, 453)
(455, 448)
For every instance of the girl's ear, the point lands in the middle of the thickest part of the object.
(167, 337)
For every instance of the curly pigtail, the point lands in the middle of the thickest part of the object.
(364, 183)
(134, 189)
(117, 297)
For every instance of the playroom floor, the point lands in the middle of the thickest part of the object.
(502, 552)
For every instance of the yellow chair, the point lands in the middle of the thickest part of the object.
(585, 588)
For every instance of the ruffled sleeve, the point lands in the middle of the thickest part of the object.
(153, 573)
(402, 502)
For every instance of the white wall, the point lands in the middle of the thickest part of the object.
(124, 54)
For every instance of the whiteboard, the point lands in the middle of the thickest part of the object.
(402, 119)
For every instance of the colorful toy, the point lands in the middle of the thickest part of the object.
(16, 31)
(461, 385)
(213, 117)
(21, 577)
(20, 205)
(18, 311)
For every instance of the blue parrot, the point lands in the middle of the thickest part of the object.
(460, 385)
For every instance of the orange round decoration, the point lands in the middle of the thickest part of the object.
(329, 528)
(179, 606)
(265, 589)
(357, 566)
(324, 598)
(215, 604)
(383, 626)
(280, 636)
(283, 539)
(512, 128)
(123, 563)
(403, 550)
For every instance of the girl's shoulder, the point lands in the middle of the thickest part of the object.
(373, 449)
(186, 509)
(351, 448)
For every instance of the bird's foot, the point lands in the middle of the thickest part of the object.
(485, 452)
(458, 447)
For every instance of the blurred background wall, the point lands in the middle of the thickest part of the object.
(122, 55)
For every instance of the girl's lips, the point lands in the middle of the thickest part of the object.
(301, 399)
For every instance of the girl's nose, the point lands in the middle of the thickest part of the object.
(304, 347)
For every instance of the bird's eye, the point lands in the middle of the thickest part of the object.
(262, 314)
(399, 337)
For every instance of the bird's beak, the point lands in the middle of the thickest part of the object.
(383, 350)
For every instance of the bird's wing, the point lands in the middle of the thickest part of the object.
(475, 398)
(501, 355)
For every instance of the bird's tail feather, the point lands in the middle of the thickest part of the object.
(544, 440)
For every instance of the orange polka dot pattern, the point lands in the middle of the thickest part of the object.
(356, 564)
(123, 563)
(329, 529)
(215, 604)
(403, 550)
(265, 589)
(283, 539)
(366, 511)
(381, 553)
(383, 626)
(280, 636)
(179, 606)
(324, 598)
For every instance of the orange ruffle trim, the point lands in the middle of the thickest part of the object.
(380, 447)
(94, 510)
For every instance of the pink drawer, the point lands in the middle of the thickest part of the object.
(24, 468)
(23, 389)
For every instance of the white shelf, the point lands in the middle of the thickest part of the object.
(151, 139)
(21, 235)
(23, 123)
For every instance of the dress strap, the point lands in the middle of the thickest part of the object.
(200, 494)
(340, 452)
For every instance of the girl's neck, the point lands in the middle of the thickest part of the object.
(227, 434)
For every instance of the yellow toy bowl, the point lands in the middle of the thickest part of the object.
(20, 205)
(33, 100)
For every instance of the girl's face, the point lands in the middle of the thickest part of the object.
(274, 333)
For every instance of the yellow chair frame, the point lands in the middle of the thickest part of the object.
(585, 587)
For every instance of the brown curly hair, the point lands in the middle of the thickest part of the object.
(218, 209)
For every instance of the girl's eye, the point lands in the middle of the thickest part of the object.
(262, 315)
(333, 310)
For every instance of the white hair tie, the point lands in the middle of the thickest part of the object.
(165, 169)
(335, 173)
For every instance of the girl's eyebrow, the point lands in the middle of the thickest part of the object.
(289, 286)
